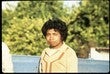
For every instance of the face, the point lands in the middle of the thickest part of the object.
(53, 38)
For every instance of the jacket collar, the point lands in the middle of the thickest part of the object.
(60, 49)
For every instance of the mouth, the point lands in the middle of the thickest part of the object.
(51, 43)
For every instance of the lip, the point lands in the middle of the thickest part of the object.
(51, 41)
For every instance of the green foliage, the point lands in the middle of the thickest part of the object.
(24, 36)
(88, 25)
(40, 9)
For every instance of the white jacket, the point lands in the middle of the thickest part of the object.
(7, 64)
(64, 60)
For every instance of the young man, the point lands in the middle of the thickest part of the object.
(58, 57)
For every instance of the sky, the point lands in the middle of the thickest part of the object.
(70, 3)
(14, 3)
(5, 5)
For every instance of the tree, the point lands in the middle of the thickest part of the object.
(88, 25)
(40, 9)
(89, 28)
(23, 35)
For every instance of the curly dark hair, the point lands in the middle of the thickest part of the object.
(56, 24)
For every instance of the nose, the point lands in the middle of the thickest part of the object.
(51, 37)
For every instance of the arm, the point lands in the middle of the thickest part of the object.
(40, 64)
(72, 61)
(7, 65)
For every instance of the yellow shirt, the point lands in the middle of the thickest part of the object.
(62, 60)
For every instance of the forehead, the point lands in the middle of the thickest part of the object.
(52, 30)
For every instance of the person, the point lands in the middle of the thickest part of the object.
(7, 64)
(58, 57)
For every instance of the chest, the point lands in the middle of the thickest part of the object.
(54, 56)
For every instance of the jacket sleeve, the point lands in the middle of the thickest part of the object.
(40, 61)
(39, 66)
(72, 61)
(7, 64)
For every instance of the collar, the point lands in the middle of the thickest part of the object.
(61, 48)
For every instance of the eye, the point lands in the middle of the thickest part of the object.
(47, 34)
(55, 34)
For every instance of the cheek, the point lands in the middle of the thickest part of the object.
(58, 39)
(47, 38)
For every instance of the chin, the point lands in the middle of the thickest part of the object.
(52, 46)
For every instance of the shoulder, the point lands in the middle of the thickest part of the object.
(70, 53)
(70, 50)
(3, 44)
(43, 52)
(5, 47)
